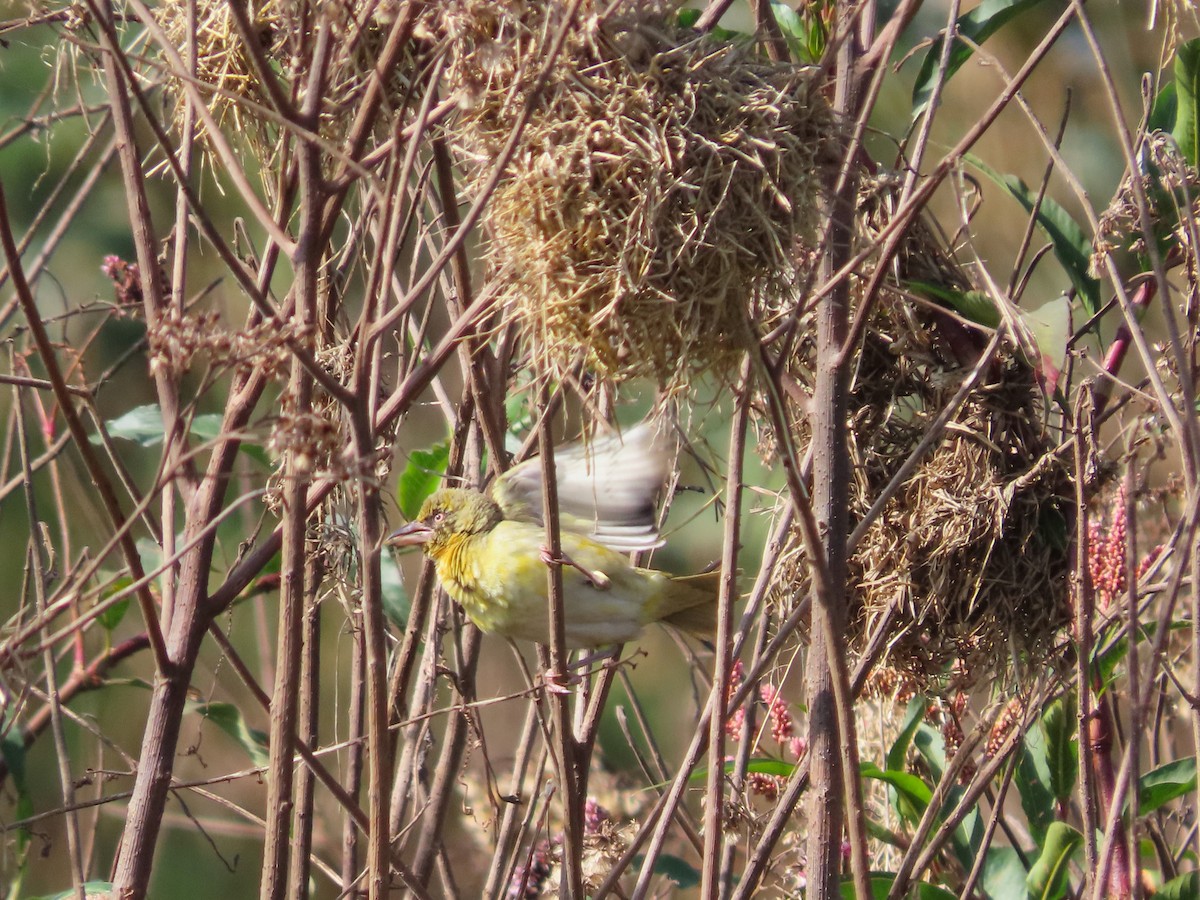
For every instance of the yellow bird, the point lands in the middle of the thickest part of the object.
(490, 551)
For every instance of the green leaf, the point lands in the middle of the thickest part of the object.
(1050, 325)
(396, 602)
(968, 836)
(978, 25)
(677, 870)
(1047, 880)
(207, 428)
(140, 683)
(12, 749)
(689, 17)
(112, 616)
(1162, 785)
(883, 834)
(761, 765)
(974, 306)
(229, 719)
(1032, 779)
(1106, 664)
(421, 477)
(881, 887)
(144, 426)
(91, 889)
(1003, 875)
(1164, 111)
(803, 27)
(1184, 887)
(913, 715)
(114, 613)
(767, 766)
(803, 34)
(912, 794)
(1061, 726)
(932, 746)
(519, 413)
(1072, 247)
(1186, 130)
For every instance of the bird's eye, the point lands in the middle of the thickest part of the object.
(438, 518)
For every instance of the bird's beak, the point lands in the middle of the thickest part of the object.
(411, 535)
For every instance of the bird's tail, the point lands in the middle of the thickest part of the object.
(692, 603)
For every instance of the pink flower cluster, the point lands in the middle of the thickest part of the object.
(1106, 554)
(782, 728)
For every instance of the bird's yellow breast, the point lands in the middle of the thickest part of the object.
(500, 580)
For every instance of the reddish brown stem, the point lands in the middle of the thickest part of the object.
(1100, 756)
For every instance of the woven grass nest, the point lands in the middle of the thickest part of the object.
(661, 193)
(236, 97)
(971, 556)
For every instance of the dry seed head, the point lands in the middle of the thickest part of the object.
(662, 191)
(1173, 178)
(175, 338)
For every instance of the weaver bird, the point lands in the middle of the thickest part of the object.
(491, 557)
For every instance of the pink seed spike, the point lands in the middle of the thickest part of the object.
(735, 723)
(781, 717)
(1149, 560)
(736, 717)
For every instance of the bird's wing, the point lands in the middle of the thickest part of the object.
(607, 488)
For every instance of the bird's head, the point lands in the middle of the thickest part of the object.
(448, 514)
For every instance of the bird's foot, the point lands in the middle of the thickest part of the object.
(598, 580)
(558, 683)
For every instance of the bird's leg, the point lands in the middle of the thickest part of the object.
(556, 684)
(598, 580)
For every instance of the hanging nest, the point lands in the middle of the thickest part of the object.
(970, 558)
(661, 193)
(284, 32)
